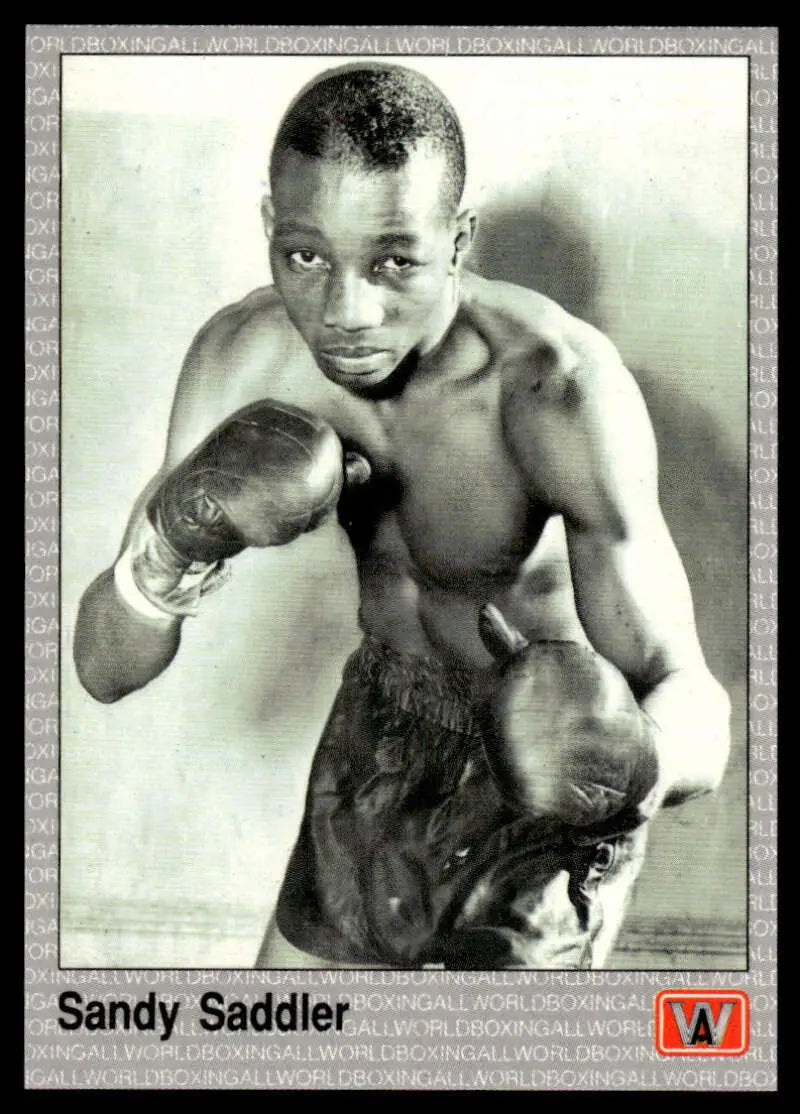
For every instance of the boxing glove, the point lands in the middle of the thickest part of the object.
(267, 474)
(565, 736)
(263, 477)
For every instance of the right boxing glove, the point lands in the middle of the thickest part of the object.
(267, 474)
(565, 735)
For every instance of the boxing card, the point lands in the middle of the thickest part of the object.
(464, 775)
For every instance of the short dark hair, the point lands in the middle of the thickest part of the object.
(374, 115)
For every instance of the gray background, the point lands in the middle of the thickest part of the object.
(134, 434)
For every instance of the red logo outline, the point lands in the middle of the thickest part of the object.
(734, 1039)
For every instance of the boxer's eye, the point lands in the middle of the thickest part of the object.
(396, 264)
(306, 260)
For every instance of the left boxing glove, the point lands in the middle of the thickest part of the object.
(263, 477)
(267, 474)
(565, 736)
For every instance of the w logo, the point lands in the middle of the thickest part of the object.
(702, 1029)
(702, 1023)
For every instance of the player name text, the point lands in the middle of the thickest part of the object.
(291, 1013)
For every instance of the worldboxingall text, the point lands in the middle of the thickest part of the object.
(601, 980)
(506, 43)
(681, 1079)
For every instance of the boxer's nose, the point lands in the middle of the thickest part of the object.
(353, 304)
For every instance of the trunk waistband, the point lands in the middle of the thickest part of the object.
(423, 687)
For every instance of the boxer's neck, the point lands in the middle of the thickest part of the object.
(442, 322)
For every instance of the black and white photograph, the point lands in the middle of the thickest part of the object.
(404, 524)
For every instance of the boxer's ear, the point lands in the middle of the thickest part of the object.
(267, 215)
(465, 225)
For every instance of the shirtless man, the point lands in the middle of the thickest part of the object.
(489, 449)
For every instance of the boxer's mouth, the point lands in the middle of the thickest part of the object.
(355, 360)
(353, 352)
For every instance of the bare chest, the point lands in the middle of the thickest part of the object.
(445, 496)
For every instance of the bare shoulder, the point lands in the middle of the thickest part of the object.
(240, 355)
(573, 415)
(546, 351)
(256, 328)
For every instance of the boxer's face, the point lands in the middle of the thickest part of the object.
(365, 261)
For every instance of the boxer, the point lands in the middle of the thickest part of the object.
(530, 687)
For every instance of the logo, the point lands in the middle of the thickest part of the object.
(702, 1023)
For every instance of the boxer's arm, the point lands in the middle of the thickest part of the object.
(117, 649)
(588, 449)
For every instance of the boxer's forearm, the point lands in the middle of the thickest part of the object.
(117, 650)
(692, 713)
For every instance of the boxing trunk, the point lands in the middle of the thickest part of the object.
(412, 853)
